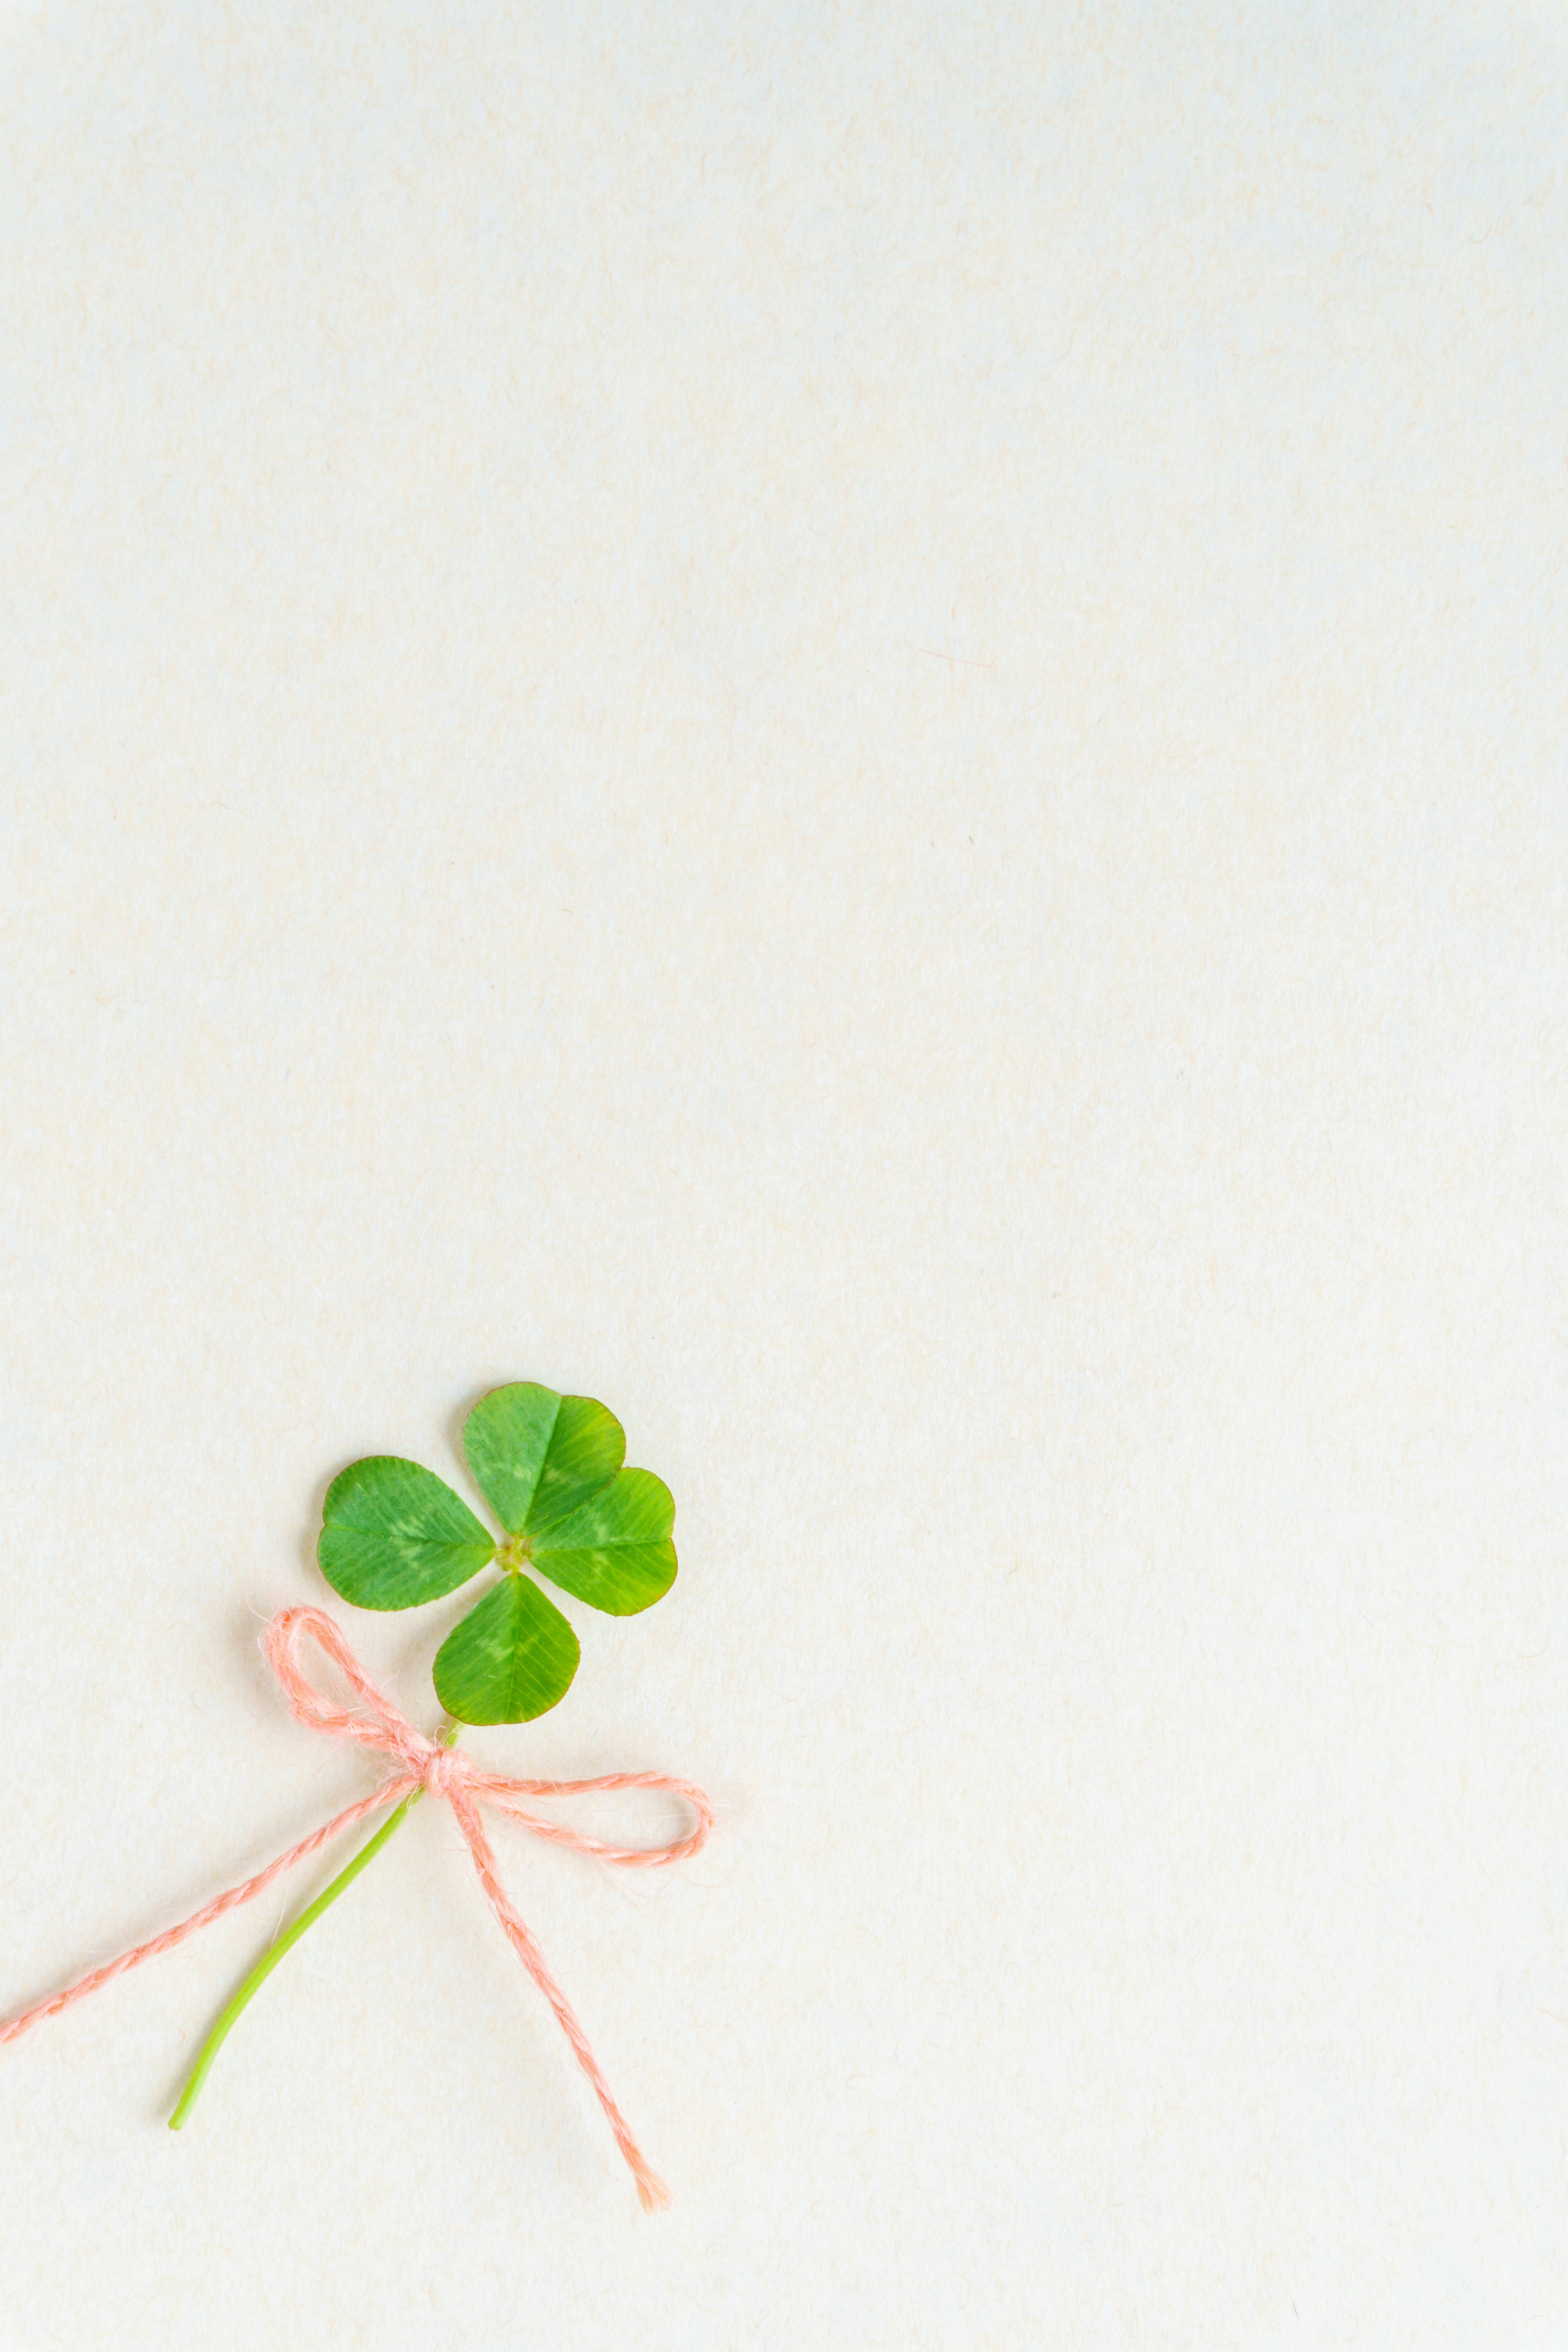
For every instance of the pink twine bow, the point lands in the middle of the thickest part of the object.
(443, 1772)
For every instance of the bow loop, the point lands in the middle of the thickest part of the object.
(387, 1726)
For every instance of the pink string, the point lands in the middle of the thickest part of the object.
(442, 1772)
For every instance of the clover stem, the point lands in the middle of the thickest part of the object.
(286, 1942)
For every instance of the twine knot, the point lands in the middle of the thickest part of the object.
(439, 1767)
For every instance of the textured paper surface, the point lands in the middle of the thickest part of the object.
(846, 725)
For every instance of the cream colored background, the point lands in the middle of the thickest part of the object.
(847, 724)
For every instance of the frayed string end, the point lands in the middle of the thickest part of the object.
(651, 2192)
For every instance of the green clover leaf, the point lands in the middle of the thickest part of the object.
(509, 1659)
(549, 1466)
(394, 1535)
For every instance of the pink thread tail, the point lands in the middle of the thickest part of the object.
(444, 1772)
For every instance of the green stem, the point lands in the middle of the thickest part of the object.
(269, 1960)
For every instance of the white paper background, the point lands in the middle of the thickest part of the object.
(845, 724)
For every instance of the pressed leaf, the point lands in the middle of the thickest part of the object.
(509, 1659)
(614, 1550)
(506, 1438)
(537, 1455)
(394, 1535)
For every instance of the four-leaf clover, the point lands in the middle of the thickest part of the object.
(395, 1535)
